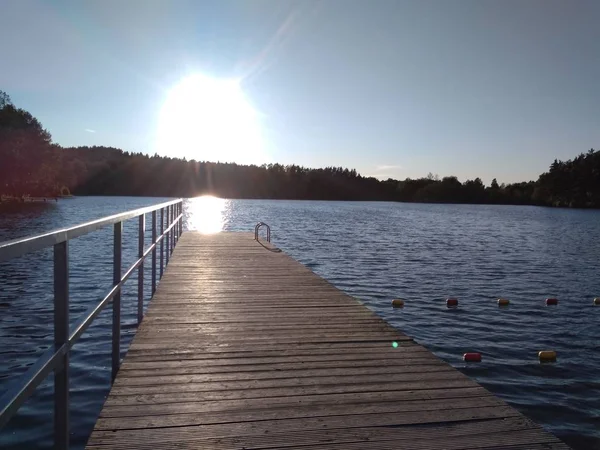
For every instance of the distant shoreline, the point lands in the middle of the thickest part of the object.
(40, 200)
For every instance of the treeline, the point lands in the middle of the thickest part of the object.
(28, 159)
(109, 171)
(31, 164)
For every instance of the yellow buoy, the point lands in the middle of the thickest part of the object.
(547, 356)
(398, 303)
(503, 302)
(597, 301)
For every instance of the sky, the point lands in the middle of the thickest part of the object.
(393, 88)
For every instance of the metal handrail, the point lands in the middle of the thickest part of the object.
(257, 228)
(18, 247)
(56, 358)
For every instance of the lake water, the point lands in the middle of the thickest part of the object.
(373, 251)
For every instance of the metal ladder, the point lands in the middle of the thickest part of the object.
(257, 228)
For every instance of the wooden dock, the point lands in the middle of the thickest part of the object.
(242, 347)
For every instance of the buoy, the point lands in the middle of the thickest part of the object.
(551, 301)
(398, 303)
(597, 301)
(472, 357)
(547, 356)
(503, 302)
(452, 302)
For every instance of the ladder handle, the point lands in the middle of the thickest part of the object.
(257, 228)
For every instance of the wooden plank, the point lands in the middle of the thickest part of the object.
(242, 347)
(333, 398)
(300, 389)
(250, 417)
(258, 438)
(193, 412)
(264, 437)
(158, 368)
(250, 380)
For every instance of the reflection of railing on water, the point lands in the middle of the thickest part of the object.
(57, 357)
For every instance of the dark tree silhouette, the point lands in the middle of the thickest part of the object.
(30, 164)
(29, 161)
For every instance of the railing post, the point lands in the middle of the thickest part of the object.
(181, 221)
(171, 236)
(154, 252)
(116, 324)
(168, 236)
(61, 338)
(176, 222)
(173, 221)
(141, 235)
(178, 209)
(162, 241)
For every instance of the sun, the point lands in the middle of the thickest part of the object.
(209, 119)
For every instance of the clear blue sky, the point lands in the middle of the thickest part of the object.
(389, 87)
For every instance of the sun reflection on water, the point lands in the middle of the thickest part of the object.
(207, 214)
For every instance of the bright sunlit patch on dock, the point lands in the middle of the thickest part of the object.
(208, 214)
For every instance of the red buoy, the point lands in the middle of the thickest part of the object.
(472, 357)
(551, 301)
(452, 302)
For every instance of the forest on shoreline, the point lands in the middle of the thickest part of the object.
(31, 164)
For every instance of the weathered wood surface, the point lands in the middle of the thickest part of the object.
(244, 348)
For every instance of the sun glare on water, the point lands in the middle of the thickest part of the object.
(207, 214)
(208, 119)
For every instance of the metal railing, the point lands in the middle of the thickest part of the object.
(56, 358)
(257, 229)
